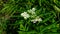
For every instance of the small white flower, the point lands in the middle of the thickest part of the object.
(39, 19)
(32, 11)
(25, 15)
(36, 19)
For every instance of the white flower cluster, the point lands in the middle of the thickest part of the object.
(31, 11)
(25, 15)
(36, 19)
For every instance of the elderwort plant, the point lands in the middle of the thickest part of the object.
(29, 16)
(31, 11)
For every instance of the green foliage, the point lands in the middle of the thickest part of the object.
(11, 19)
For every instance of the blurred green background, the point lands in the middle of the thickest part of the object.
(11, 21)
